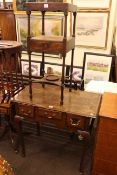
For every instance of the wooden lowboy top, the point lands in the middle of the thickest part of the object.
(76, 102)
(51, 7)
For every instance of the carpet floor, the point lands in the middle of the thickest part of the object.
(51, 153)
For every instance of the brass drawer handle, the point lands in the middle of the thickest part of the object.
(75, 122)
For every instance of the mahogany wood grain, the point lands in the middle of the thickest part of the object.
(8, 25)
(105, 153)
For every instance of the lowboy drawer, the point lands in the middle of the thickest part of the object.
(75, 121)
(25, 110)
(47, 113)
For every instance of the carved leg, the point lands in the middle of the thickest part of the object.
(85, 136)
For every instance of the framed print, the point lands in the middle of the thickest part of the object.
(92, 29)
(53, 69)
(97, 66)
(93, 4)
(53, 27)
(76, 74)
(35, 68)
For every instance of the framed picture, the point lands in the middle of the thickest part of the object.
(92, 29)
(53, 69)
(94, 4)
(35, 68)
(97, 66)
(76, 74)
(54, 26)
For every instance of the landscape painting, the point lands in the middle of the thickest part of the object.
(97, 67)
(92, 29)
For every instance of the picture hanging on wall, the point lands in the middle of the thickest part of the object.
(92, 29)
(94, 4)
(97, 66)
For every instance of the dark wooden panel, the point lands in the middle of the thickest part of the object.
(105, 167)
(8, 25)
(108, 125)
(106, 153)
(107, 140)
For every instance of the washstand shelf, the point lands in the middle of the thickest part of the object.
(52, 44)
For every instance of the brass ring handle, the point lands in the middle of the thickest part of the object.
(74, 121)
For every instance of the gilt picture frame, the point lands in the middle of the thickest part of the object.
(97, 66)
(92, 29)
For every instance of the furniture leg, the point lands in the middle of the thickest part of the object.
(85, 135)
(71, 70)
